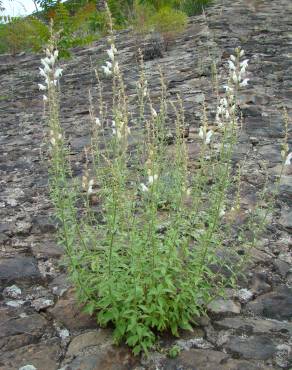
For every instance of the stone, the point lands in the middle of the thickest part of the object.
(107, 358)
(286, 220)
(95, 338)
(16, 303)
(20, 331)
(12, 291)
(60, 284)
(258, 347)
(197, 359)
(18, 268)
(41, 356)
(28, 367)
(194, 343)
(259, 283)
(244, 295)
(32, 324)
(274, 305)
(246, 325)
(42, 303)
(224, 306)
(282, 267)
(68, 312)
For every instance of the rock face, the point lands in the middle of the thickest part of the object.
(41, 325)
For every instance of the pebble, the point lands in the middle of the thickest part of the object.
(12, 291)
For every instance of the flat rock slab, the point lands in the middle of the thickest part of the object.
(20, 331)
(196, 359)
(224, 306)
(275, 305)
(108, 358)
(256, 347)
(18, 268)
(96, 338)
(68, 312)
(42, 356)
(246, 325)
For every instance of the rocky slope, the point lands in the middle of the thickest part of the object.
(41, 324)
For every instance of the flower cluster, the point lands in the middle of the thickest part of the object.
(151, 172)
(54, 137)
(151, 179)
(87, 183)
(48, 71)
(120, 129)
(238, 69)
(111, 65)
(205, 134)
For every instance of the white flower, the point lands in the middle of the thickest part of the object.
(53, 141)
(106, 71)
(235, 78)
(45, 98)
(233, 58)
(45, 62)
(52, 60)
(205, 136)
(244, 82)
(54, 82)
(153, 112)
(47, 69)
(56, 53)
(228, 88)
(109, 64)
(231, 65)
(241, 54)
(90, 185)
(152, 178)
(42, 87)
(58, 73)
(288, 159)
(111, 54)
(42, 72)
(97, 122)
(201, 133)
(143, 187)
(208, 136)
(244, 63)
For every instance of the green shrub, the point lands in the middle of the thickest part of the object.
(194, 7)
(152, 243)
(169, 22)
(29, 34)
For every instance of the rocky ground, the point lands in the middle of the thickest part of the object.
(41, 325)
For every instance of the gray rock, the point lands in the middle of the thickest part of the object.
(255, 347)
(275, 305)
(197, 359)
(12, 291)
(246, 325)
(18, 268)
(224, 306)
(286, 220)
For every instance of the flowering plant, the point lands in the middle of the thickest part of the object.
(145, 251)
